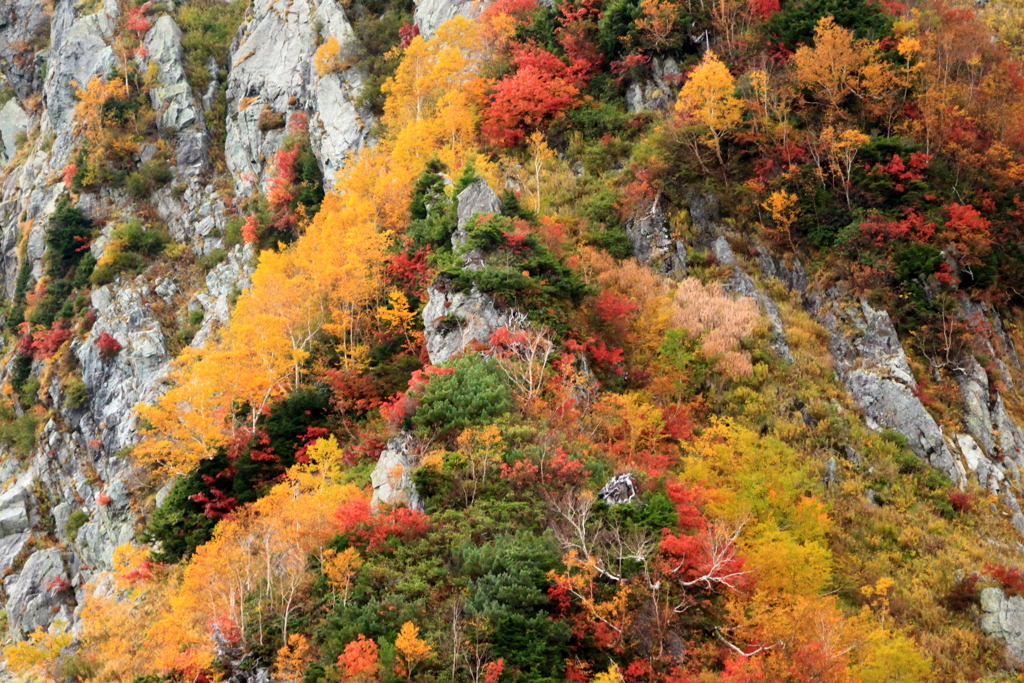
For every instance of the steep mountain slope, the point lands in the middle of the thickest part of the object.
(594, 341)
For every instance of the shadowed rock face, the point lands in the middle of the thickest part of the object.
(24, 26)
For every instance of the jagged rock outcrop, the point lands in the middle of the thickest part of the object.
(272, 76)
(430, 14)
(391, 478)
(24, 27)
(79, 50)
(653, 243)
(173, 98)
(872, 364)
(658, 91)
(1003, 617)
(337, 127)
(14, 123)
(39, 594)
(226, 279)
(741, 283)
(454, 319)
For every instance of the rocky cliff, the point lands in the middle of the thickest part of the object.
(70, 494)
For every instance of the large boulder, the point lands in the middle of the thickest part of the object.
(392, 477)
(452, 320)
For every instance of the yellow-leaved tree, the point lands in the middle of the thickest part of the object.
(329, 280)
(429, 112)
(141, 619)
(708, 101)
(325, 282)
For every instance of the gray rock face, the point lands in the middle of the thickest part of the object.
(391, 478)
(430, 14)
(871, 362)
(30, 603)
(741, 283)
(477, 199)
(13, 122)
(337, 128)
(173, 98)
(14, 510)
(222, 282)
(452, 320)
(658, 91)
(10, 547)
(790, 274)
(271, 75)
(78, 52)
(118, 384)
(24, 26)
(1003, 617)
(652, 241)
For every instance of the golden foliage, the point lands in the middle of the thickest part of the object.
(410, 650)
(326, 59)
(36, 657)
(322, 283)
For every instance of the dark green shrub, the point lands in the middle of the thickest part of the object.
(475, 394)
(794, 25)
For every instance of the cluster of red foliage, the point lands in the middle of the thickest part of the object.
(556, 471)
(961, 501)
(136, 21)
(412, 274)
(109, 346)
(42, 343)
(357, 521)
(913, 228)
(912, 169)
(58, 584)
(406, 33)
(68, 174)
(610, 360)
(1010, 577)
